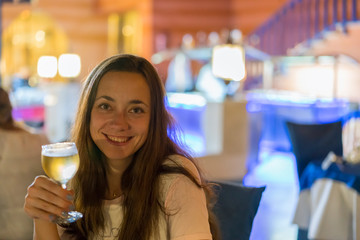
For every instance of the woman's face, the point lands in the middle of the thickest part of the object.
(121, 113)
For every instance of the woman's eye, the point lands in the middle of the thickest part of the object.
(104, 106)
(137, 110)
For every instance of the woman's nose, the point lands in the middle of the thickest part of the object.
(120, 121)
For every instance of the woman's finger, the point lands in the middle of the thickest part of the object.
(43, 195)
(31, 208)
(53, 187)
(45, 199)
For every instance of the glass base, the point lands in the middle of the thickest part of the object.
(71, 217)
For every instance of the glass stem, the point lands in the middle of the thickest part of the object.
(63, 185)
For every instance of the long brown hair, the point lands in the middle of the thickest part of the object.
(140, 181)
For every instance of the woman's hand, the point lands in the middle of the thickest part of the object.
(45, 199)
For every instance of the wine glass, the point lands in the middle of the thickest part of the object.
(60, 162)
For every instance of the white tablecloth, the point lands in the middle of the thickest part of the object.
(330, 210)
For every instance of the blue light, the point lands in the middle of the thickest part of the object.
(188, 111)
(195, 143)
(186, 100)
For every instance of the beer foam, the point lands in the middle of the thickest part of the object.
(62, 149)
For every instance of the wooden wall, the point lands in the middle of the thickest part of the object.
(84, 25)
(174, 18)
(85, 21)
(178, 17)
(248, 15)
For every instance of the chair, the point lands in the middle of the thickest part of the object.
(236, 208)
(313, 142)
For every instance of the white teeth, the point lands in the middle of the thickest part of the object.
(118, 139)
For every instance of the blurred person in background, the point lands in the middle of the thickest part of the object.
(19, 163)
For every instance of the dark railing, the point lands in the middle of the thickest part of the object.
(299, 22)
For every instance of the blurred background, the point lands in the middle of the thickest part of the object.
(234, 71)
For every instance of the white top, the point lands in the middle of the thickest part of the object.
(179, 195)
(20, 162)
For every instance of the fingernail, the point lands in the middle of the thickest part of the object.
(70, 197)
(72, 208)
(64, 214)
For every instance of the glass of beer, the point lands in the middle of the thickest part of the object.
(60, 162)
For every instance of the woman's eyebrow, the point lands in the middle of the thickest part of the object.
(134, 101)
(138, 101)
(106, 98)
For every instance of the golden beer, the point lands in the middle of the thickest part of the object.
(60, 168)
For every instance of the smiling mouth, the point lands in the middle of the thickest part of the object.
(118, 139)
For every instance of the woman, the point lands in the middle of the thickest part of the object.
(19, 164)
(134, 181)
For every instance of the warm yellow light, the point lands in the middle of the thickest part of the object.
(69, 65)
(47, 66)
(228, 62)
(128, 30)
(40, 36)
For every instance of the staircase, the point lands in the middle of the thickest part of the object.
(336, 43)
(309, 27)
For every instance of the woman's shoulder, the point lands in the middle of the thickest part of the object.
(182, 161)
(176, 184)
(169, 180)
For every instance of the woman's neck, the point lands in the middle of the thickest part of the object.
(114, 174)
